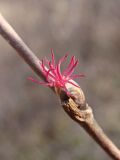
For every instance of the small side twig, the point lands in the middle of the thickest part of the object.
(82, 116)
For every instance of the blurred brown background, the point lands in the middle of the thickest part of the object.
(33, 126)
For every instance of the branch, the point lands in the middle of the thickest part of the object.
(22, 49)
(86, 119)
(82, 115)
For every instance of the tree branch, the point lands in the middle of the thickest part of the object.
(86, 119)
(22, 49)
(82, 115)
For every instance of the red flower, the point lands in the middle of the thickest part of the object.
(53, 74)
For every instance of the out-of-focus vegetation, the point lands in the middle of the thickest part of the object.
(32, 123)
